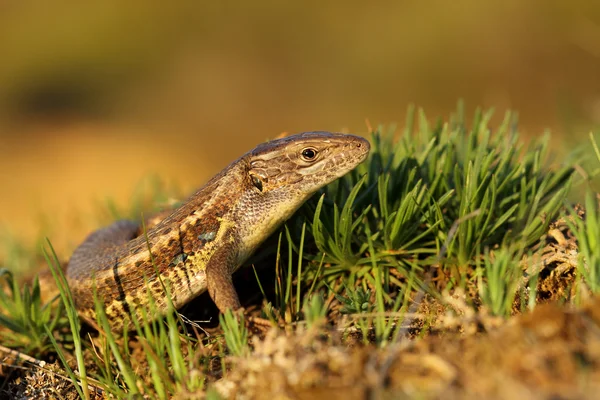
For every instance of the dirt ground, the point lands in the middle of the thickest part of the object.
(552, 353)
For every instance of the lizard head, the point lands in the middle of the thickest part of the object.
(299, 165)
(280, 175)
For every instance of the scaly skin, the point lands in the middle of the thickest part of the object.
(201, 244)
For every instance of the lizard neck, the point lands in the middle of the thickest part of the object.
(258, 216)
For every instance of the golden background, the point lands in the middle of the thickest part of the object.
(96, 95)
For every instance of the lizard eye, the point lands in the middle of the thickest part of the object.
(257, 182)
(309, 154)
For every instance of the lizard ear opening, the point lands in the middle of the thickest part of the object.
(257, 182)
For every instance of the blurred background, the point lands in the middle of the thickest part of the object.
(94, 96)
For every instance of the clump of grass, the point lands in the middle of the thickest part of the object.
(168, 354)
(24, 319)
(391, 217)
(80, 379)
(314, 310)
(587, 232)
(498, 280)
(236, 333)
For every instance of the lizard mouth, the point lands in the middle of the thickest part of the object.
(353, 152)
(363, 146)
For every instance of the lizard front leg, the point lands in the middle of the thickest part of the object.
(219, 280)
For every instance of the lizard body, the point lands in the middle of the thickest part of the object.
(200, 244)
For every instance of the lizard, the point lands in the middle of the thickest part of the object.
(200, 244)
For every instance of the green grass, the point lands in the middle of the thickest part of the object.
(396, 212)
(587, 232)
(25, 317)
(438, 208)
